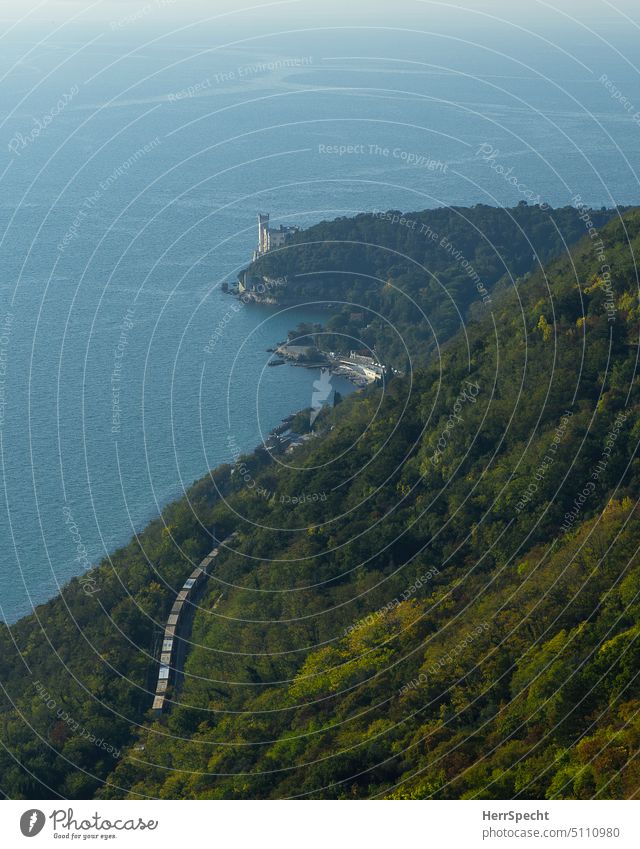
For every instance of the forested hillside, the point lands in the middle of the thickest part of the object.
(401, 283)
(460, 619)
(438, 597)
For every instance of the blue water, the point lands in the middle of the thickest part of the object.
(122, 218)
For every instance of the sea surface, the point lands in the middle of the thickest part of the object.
(133, 164)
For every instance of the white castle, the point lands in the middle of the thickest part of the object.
(268, 238)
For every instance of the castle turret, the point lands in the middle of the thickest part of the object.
(263, 233)
(268, 238)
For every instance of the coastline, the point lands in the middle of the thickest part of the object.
(279, 439)
(361, 371)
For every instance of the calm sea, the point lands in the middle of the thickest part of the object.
(132, 168)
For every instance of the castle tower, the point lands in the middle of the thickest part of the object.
(263, 233)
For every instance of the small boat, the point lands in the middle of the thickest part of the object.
(275, 363)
